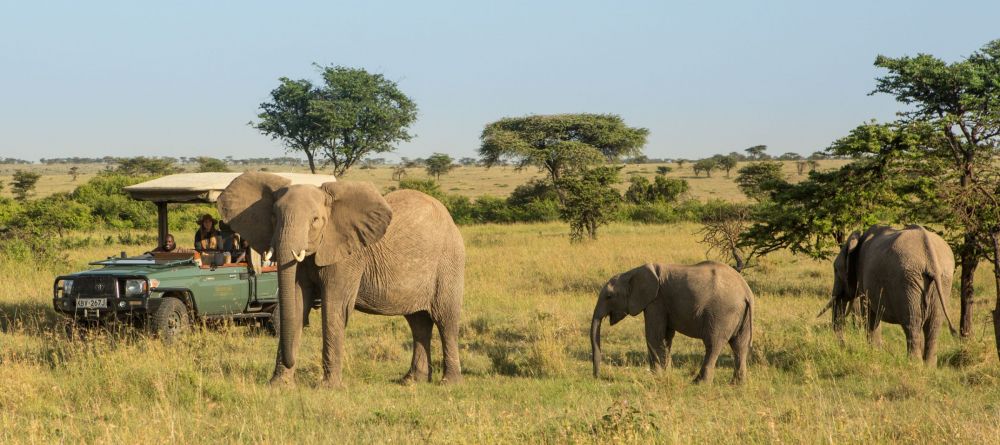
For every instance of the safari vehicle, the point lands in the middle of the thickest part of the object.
(166, 292)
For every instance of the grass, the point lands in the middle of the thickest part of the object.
(467, 181)
(526, 357)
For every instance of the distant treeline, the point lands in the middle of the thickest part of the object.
(184, 160)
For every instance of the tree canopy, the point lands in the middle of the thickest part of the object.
(353, 114)
(560, 143)
(439, 164)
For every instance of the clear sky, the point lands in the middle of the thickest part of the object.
(184, 78)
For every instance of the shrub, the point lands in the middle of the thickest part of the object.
(105, 196)
(56, 213)
(533, 190)
(428, 186)
(9, 208)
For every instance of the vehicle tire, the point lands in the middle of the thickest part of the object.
(273, 323)
(171, 320)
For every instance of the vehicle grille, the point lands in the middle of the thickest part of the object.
(95, 287)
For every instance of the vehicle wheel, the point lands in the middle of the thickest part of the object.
(273, 323)
(171, 320)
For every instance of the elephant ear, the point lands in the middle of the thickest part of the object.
(247, 205)
(359, 216)
(851, 255)
(644, 287)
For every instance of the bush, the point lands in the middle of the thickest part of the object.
(662, 189)
(105, 196)
(533, 190)
(9, 209)
(428, 186)
(56, 213)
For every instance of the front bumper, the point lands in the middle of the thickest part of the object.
(114, 308)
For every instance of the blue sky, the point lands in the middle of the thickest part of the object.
(184, 78)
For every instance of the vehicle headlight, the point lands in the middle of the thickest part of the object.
(67, 286)
(135, 288)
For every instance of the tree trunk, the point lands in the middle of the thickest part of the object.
(969, 264)
(996, 279)
(312, 161)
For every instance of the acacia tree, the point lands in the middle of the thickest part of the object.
(560, 143)
(726, 162)
(960, 103)
(590, 200)
(439, 164)
(757, 152)
(363, 113)
(705, 165)
(23, 184)
(293, 117)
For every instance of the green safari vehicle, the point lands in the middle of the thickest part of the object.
(166, 292)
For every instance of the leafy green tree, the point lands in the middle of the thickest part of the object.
(757, 152)
(362, 113)
(959, 102)
(439, 164)
(705, 165)
(56, 213)
(561, 143)
(758, 180)
(663, 170)
(141, 166)
(590, 200)
(662, 189)
(24, 183)
(726, 162)
(292, 116)
(207, 164)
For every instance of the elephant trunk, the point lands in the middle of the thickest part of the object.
(291, 314)
(595, 337)
(289, 255)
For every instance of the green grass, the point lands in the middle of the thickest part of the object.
(526, 357)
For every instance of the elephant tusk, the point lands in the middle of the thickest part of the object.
(300, 256)
(829, 305)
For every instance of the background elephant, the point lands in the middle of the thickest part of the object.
(344, 243)
(897, 271)
(708, 300)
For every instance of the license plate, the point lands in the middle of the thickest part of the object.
(92, 303)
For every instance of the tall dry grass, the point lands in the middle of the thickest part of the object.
(526, 357)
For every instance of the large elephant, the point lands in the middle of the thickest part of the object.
(345, 244)
(709, 301)
(904, 276)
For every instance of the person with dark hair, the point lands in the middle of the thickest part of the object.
(207, 237)
(169, 246)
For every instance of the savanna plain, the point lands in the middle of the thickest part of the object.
(526, 360)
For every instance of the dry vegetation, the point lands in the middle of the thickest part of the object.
(526, 355)
(467, 181)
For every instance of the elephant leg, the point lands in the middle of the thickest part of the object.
(282, 375)
(874, 328)
(740, 345)
(338, 301)
(448, 328)
(423, 328)
(446, 311)
(931, 330)
(914, 342)
(712, 350)
(668, 343)
(656, 344)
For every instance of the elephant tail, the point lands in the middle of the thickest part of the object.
(747, 324)
(934, 275)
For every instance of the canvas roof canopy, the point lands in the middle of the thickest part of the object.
(203, 187)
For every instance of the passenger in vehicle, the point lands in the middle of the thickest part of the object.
(169, 246)
(207, 237)
(240, 247)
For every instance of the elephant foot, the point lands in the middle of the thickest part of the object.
(331, 383)
(453, 379)
(282, 379)
(412, 378)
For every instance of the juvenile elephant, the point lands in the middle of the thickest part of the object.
(897, 271)
(345, 244)
(709, 301)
